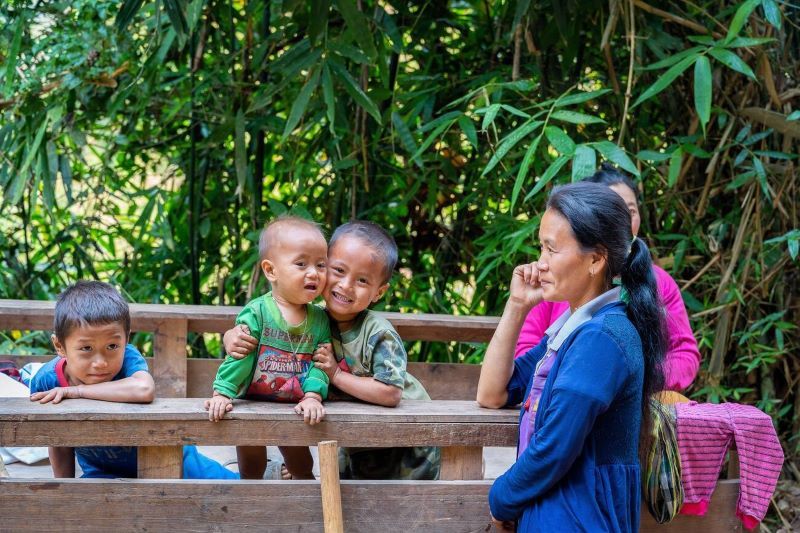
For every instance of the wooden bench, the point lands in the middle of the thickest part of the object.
(457, 503)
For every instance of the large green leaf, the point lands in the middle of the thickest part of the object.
(740, 18)
(665, 79)
(404, 134)
(675, 161)
(574, 117)
(584, 162)
(13, 53)
(318, 19)
(702, 90)
(616, 155)
(522, 174)
(560, 140)
(355, 90)
(772, 12)
(549, 174)
(731, 60)
(301, 102)
(468, 128)
(358, 24)
(509, 142)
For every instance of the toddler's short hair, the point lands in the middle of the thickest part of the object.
(373, 236)
(267, 238)
(89, 303)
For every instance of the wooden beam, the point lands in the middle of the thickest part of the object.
(172, 422)
(368, 506)
(462, 462)
(160, 462)
(169, 358)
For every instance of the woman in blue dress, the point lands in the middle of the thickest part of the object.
(584, 387)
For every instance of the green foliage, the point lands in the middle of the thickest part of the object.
(148, 142)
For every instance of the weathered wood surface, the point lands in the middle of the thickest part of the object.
(169, 368)
(160, 462)
(168, 422)
(462, 462)
(330, 486)
(443, 381)
(38, 315)
(368, 506)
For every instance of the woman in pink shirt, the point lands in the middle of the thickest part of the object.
(682, 358)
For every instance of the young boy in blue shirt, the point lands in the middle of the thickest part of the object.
(91, 331)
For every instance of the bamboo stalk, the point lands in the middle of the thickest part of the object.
(329, 482)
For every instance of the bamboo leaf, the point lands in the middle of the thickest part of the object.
(665, 79)
(327, 95)
(523, 169)
(406, 139)
(674, 58)
(468, 128)
(580, 98)
(702, 90)
(13, 54)
(488, 118)
(509, 142)
(548, 175)
(675, 161)
(354, 89)
(740, 18)
(574, 117)
(358, 24)
(177, 16)
(616, 155)
(318, 20)
(794, 115)
(584, 162)
(126, 13)
(300, 104)
(432, 137)
(772, 13)
(732, 61)
(560, 140)
(650, 155)
(748, 41)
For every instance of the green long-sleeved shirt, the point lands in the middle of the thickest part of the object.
(280, 369)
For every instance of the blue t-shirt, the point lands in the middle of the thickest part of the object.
(96, 461)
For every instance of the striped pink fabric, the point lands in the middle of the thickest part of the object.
(705, 432)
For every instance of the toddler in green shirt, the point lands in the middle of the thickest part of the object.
(277, 365)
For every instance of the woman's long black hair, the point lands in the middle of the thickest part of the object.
(601, 222)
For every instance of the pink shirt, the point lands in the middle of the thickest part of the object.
(682, 359)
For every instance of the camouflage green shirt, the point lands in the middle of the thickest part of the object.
(372, 348)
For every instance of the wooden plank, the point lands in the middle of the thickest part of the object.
(462, 462)
(38, 315)
(169, 358)
(184, 421)
(721, 516)
(160, 462)
(368, 506)
(330, 487)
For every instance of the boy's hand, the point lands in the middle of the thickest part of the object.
(325, 360)
(311, 408)
(56, 395)
(217, 406)
(238, 342)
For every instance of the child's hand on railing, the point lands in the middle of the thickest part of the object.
(311, 408)
(56, 395)
(238, 342)
(217, 406)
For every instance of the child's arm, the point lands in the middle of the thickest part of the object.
(63, 461)
(365, 388)
(137, 388)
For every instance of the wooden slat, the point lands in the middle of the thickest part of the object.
(462, 462)
(145, 505)
(38, 315)
(168, 422)
(169, 361)
(160, 462)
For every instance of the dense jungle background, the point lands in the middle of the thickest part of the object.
(146, 143)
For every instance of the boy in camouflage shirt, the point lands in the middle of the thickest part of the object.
(369, 360)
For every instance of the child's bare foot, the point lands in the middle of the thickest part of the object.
(286, 475)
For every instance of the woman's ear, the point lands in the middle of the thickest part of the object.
(268, 268)
(598, 262)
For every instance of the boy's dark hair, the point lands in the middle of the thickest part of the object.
(373, 236)
(266, 239)
(89, 303)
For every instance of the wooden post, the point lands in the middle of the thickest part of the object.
(461, 462)
(160, 462)
(329, 482)
(733, 464)
(169, 358)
